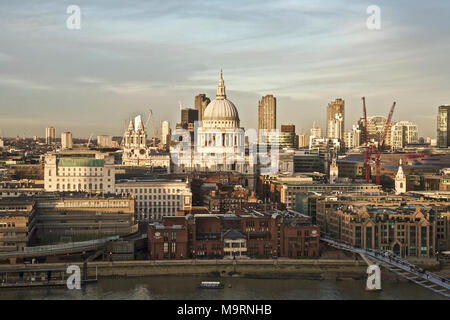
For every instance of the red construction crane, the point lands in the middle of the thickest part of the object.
(366, 143)
(372, 150)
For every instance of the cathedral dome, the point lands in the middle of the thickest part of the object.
(221, 109)
(221, 112)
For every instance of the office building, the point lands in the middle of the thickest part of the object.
(156, 198)
(336, 119)
(200, 103)
(267, 113)
(88, 171)
(17, 224)
(443, 127)
(410, 227)
(165, 134)
(404, 133)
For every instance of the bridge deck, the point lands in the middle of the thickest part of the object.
(401, 267)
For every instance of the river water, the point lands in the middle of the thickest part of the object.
(185, 287)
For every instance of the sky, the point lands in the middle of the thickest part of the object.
(135, 55)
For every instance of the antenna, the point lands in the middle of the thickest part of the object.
(181, 106)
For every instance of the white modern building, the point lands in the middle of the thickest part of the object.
(156, 198)
(165, 133)
(88, 171)
(66, 140)
(404, 133)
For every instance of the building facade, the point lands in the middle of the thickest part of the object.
(71, 218)
(88, 171)
(249, 234)
(443, 127)
(156, 198)
(404, 133)
(219, 143)
(17, 225)
(267, 113)
(201, 102)
(50, 135)
(336, 119)
(66, 140)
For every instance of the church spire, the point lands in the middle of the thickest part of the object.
(221, 88)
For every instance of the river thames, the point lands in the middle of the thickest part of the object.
(186, 287)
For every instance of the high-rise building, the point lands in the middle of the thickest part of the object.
(66, 140)
(443, 127)
(303, 141)
(352, 137)
(165, 133)
(404, 133)
(335, 119)
(50, 135)
(201, 102)
(316, 132)
(267, 113)
(189, 116)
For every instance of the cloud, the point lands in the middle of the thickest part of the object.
(130, 55)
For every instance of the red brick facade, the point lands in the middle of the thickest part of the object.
(201, 236)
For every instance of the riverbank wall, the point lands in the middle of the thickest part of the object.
(314, 269)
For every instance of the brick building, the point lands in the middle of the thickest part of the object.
(212, 236)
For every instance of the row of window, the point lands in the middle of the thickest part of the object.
(149, 190)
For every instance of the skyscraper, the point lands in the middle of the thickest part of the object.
(50, 135)
(267, 113)
(66, 140)
(165, 133)
(201, 102)
(443, 127)
(335, 119)
(189, 116)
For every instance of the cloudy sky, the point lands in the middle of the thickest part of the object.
(133, 55)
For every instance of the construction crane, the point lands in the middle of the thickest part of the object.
(89, 141)
(366, 143)
(372, 152)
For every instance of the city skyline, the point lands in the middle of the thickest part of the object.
(124, 61)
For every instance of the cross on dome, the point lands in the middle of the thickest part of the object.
(221, 88)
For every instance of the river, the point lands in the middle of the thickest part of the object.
(185, 287)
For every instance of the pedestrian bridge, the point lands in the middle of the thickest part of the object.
(58, 249)
(399, 266)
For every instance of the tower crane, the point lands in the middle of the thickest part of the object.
(373, 150)
(89, 141)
